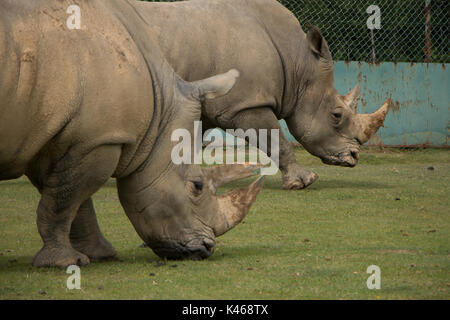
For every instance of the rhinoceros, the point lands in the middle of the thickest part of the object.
(286, 74)
(81, 105)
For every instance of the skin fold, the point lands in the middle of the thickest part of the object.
(285, 74)
(80, 106)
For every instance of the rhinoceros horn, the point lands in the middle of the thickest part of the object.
(366, 124)
(234, 206)
(370, 123)
(219, 175)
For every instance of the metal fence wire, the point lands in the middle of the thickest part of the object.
(408, 30)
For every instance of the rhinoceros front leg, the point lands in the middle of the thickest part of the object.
(86, 237)
(294, 176)
(71, 181)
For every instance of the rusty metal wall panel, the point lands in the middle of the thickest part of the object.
(420, 92)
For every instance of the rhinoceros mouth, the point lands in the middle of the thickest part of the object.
(344, 159)
(197, 249)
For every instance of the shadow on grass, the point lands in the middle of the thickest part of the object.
(23, 264)
(339, 184)
(276, 184)
(222, 253)
(17, 263)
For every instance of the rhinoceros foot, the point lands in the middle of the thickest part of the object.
(97, 251)
(296, 178)
(59, 257)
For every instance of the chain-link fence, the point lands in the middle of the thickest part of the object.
(408, 30)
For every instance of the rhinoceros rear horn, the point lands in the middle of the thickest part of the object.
(234, 206)
(216, 86)
(352, 98)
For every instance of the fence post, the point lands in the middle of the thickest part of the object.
(374, 58)
(427, 31)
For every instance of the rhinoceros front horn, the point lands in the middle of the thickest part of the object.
(368, 124)
(234, 206)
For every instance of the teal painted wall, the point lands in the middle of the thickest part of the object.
(420, 93)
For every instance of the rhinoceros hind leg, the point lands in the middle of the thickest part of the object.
(296, 178)
(86, 237)
(65, 187)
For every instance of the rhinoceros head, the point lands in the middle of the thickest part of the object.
(325, 122)
(178, 213)
(185, 219)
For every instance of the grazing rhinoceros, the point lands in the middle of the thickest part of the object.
(285, 74)
(80, 106)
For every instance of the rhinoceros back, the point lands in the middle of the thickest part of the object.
(259, 38)
(63, 88)
(36, 99)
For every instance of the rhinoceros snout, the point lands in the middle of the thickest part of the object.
(345, 159)
(195, 250)
(349, 158)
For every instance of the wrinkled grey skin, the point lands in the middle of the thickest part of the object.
(285, 74)
(80, 106)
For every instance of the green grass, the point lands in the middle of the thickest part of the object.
(310, 244)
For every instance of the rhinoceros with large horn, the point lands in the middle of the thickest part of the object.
(285, 74)
(81, 105)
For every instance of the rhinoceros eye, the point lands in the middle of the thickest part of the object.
(198, 185)
(337, 115)
(195, 187)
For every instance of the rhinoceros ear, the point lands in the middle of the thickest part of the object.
(216, 86)
(317, 43)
